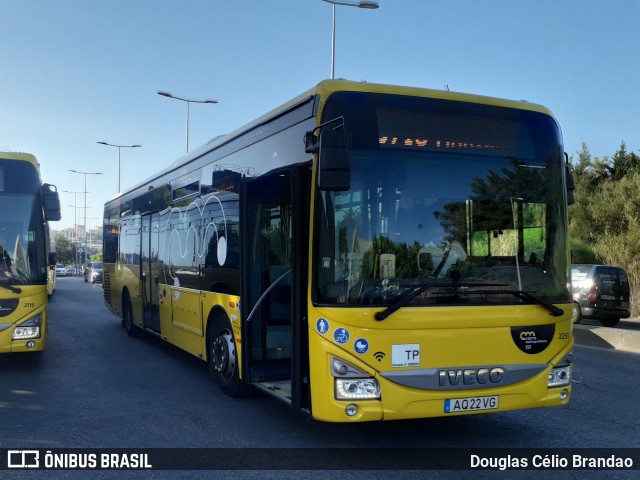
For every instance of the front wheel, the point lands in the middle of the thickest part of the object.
(222, 359)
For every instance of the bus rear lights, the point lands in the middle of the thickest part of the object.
(28, 329)
(357, 389)
(559, 377)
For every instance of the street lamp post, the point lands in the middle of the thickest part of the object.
(90, 242)
(119, 147)
(85, 207)
(75, 238)
(187, 101)
(75, 212)
(360, 4)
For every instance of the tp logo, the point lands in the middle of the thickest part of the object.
(23, 459)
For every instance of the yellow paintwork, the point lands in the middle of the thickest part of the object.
(32, 301)
(326, 88)
(183, 312)
(448, 337)
(25, 157)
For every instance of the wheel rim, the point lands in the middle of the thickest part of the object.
(223, 353)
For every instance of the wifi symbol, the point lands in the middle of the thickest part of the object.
(379, 356)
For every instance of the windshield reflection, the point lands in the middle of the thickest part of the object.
(488, 225)
(22, 257)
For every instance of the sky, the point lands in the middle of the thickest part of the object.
(76, 72)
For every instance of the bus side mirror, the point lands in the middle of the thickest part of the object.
(334, 172)
(51, 203)
(571, 185)
(52, 259)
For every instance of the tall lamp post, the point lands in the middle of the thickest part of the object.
(75, 212)
(187, 101)
(119, 147)
(90, 241)
(85, 207)
(75, 233)
(360, 4)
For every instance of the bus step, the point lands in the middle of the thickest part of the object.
(279, 390)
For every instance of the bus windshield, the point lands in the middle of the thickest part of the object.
(22, 250)
(445, 209)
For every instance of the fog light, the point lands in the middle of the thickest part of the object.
(559, 377)
(31, 344)
(564, 394)
(351, 409)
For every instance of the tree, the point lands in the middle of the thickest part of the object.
(604, 222)
(65, 249)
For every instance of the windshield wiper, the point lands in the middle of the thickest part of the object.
(521, 294)
(422, 287)
(11, 287)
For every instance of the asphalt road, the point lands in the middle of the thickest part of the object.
(94, 387)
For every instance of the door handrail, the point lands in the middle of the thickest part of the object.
(266, 292)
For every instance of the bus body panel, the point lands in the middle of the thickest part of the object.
(17, 308)
(450, 345)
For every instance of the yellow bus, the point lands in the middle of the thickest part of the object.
(364, 252)
(25, 260)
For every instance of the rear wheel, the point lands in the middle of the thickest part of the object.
(577, 313)
(222, 358)
(127, 319)
(609, 322)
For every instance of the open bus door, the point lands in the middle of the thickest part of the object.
(274, 217)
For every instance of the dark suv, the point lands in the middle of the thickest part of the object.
(600, 292)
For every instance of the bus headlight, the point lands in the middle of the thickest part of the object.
(559, 377)
(357, 389)
(28, 329)
(352, 383)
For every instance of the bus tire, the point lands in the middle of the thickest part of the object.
(221, 357)
(127, 318)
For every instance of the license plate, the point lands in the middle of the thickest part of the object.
(470, 404)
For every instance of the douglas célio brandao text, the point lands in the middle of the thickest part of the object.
(551, 461)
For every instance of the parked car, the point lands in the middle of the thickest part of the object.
(93, 273)
(61, 271)
(71, 271)
(600, 292)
